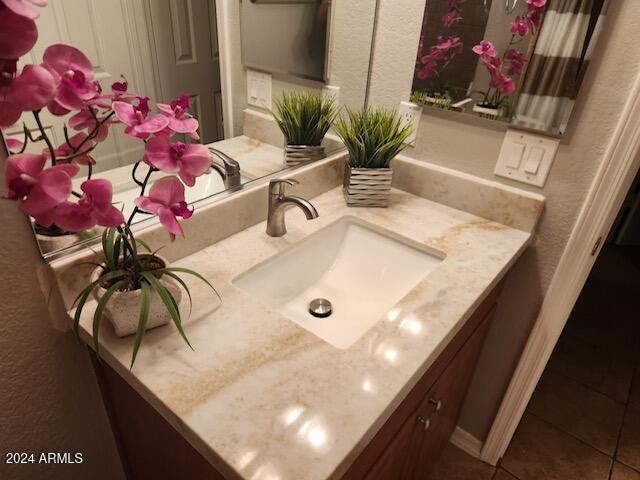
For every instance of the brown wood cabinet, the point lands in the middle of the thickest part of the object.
(406, 447)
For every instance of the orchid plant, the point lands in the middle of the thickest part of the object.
(430, 65)
(503, 69)
(64, 84)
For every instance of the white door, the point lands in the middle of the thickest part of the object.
(185, 46)
(101, 30)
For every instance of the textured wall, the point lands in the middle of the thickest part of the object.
(49, 399)
(472, 146)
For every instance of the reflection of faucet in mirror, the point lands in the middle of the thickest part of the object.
(277, 204)
(231, 172)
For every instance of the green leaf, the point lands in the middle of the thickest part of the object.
(142, 320)
(102, 303)
(182, 284)
(144, 244)
(168, 301)
(83, 299)
(191, 272)
(101, 279)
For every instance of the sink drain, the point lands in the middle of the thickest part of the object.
(320, 307)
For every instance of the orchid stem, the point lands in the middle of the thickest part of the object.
(36, 114)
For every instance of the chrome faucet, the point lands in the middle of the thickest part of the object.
(231, 173)
(277, 204)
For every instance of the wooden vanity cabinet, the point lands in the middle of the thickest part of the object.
(411, 441)
(406, 447)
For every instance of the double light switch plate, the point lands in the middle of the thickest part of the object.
(526, 157)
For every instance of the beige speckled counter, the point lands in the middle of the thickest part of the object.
(262, 398)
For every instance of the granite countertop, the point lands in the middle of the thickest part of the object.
(262, 398)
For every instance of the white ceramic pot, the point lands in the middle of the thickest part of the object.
(487, 112)
(52, 243)
(123, 308)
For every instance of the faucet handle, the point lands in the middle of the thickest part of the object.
(279, 185)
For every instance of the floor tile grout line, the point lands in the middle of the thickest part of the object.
(590, 387)
(570, 434)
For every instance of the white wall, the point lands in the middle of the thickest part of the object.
(472, 146)
(49, 398)
(349, 55)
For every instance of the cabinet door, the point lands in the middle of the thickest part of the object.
(392, 463)
(441, 406)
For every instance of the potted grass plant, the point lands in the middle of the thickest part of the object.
(304, 119)
(373, 137)
(135, 288)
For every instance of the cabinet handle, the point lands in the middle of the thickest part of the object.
(426, 422)
(436, 403)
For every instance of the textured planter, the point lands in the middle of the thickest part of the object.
(51, 243)
(297, 154)
(123, 308)
(367, 187)
(488, 112)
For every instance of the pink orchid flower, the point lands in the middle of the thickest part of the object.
(18, 34)
(180, 120)
(502, 82)
(450, 18)
(32, 89)
(84, 120)
(166, 199)
(485, 48)
(520, 26)
(73, 73)
(516, 61)
(536, 4)
(187, 160)
(94, 208)
(135, 117)
(23, 7)
(67, 149)
(13, 144)
(41, 190)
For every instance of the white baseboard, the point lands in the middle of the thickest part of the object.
(466, 442)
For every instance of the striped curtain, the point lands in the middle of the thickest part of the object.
(559, 61)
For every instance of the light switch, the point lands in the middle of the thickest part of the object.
(526, 157)
(534, 159)
(516, 151)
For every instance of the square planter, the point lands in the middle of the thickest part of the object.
(296, 154)
(367, 187)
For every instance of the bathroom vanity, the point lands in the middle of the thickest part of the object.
(406, 446)
(265, 395)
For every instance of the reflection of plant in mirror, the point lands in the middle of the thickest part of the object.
(430, 65)
(503, 68)
(373, 136)
(304, 117)
(443, 101)
(65, 83)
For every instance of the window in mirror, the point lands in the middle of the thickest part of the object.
(516, 61)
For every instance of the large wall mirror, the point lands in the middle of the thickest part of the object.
(515, 61)
(178, 53)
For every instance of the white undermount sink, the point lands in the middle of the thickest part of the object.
(360, 268)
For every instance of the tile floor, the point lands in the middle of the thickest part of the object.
(583, 421)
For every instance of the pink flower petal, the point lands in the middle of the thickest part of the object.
(100, 191)
(109, 218)
(148, 205)
(22, 7)
(18, 34)
(125, 113)
(186, 125)
(33, 88)
(170, 222)
(167, 190)
(153, 124)
(62, 58)
(74, 217)
(158, 154)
